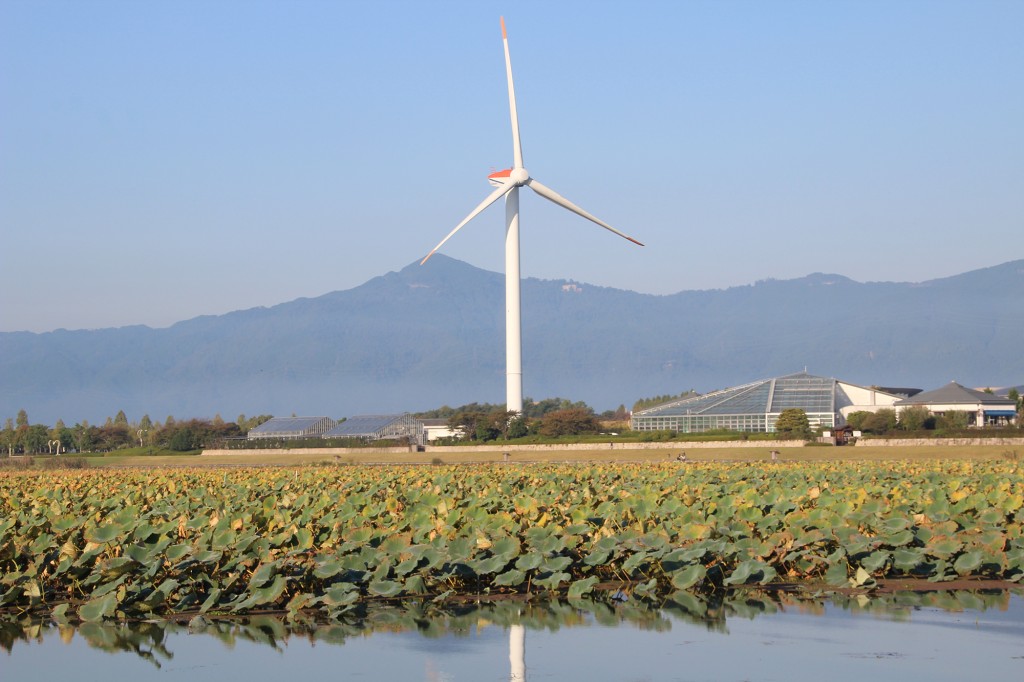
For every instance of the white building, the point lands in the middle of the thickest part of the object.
(983, 409)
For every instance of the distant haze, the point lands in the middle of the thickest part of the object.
(432, 335)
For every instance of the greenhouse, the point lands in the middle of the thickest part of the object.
(292, 427)
(381, 427)
(755, 407)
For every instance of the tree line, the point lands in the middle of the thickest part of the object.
(19, 437)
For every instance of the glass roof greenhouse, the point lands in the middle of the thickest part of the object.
(292, 427)
(751, 407)
(380, 427)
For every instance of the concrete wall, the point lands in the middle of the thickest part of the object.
(896, 442)
(439, 449)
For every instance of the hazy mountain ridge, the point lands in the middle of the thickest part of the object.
(431, 335)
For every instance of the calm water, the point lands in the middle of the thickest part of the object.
(906, 637)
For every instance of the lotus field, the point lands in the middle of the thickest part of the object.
(321, 541)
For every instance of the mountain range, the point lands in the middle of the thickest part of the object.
(432, 335)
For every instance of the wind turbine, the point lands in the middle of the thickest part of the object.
(508, 183)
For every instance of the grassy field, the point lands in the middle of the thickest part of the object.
(744, 454)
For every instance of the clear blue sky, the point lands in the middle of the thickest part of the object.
(162, 160)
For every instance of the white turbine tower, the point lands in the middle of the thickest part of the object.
(508, 183)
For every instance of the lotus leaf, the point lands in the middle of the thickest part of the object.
(98, 609)
(689, 576)
(581, 587)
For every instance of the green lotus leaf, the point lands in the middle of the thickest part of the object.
(406, 567)
(264, 573)
(340, 594)
(582, 587)
(385, 588)
(176, 552)
(197, 522)
(140, 553)
(461, 549)
(64, 524)
(104, 534)
(900, 538)
(837, 574)
(303, 539)
(968, 562)
(211, 600)
(512, 578)
(894, 524)
(992, 516)
(415, 585)
(98, 609)
(111, 568)
(328, 569)
(208, 556)
(555, 564)
(597, 558)
(359, 535)
(506, 546)
(944, 547)
(908, 560)
(264, 596)
(634, 562)
(489, 565)
(394, 545)
(552, 581)
(60, 613)
(689, 576)
(529, 561)
(224, 539)
(875, 561)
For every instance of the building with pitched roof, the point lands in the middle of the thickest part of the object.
(380, 427)
(756, 406)
(292, 428)
(983, 409)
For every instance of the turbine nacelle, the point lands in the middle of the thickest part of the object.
(516, 176)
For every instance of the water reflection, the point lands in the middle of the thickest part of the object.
(449, 642)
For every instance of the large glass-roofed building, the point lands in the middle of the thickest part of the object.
(756, 406)
(380, 427)
(292, 427)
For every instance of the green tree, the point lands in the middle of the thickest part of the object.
(953, 420)
(145, 423)
(121, 418)
(855, 420)
(882, 421)
(517, 427)
(571, 421)
(793, 423)
(183, 439)
(35, 439)
(9, 436)
(22, 419)
(916, 418)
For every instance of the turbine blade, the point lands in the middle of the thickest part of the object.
(491, 198)
(517, 149)
(552, 195)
